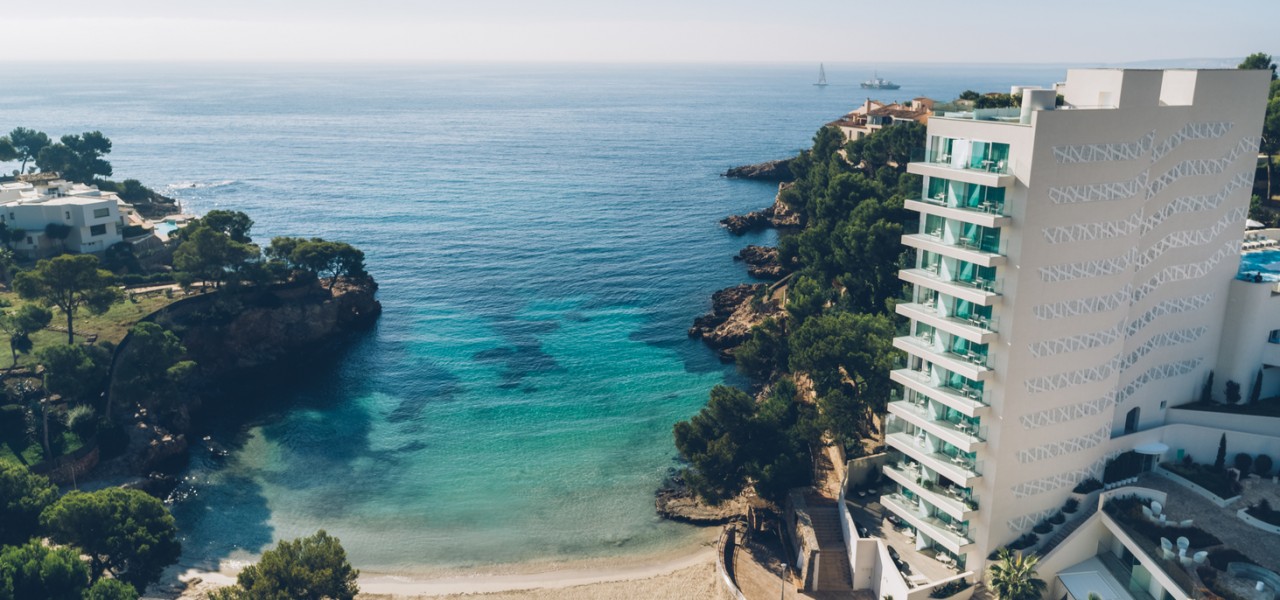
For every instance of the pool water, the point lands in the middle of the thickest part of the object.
(1263, 262)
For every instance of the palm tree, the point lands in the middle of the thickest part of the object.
(1013, 577)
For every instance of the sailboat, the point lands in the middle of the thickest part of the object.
(822, 76)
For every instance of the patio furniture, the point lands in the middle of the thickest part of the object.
(1165, 544)
(1200, 557)
(1146, 512)
(1186, 523)
(1183, 544)
(1156, 507)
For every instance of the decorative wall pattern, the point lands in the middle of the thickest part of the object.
(1060, 414)
(1191, 237)
(1070, 446)
(1095, 304)
(1194, 270)
(1027, 521)
(1201, 166)
(1090, 268)
(1056, 482)
(1083, 232)
(1191, 131)
(1116, 364)
(1099, 192)
(1086, 153)
(1109, 335)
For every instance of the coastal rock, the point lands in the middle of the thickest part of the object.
(774, 170)
(762, 262)
(734, 312)
(681, 505)
(778, 215)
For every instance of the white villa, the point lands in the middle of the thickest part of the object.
(1077, 277)
(95, 217)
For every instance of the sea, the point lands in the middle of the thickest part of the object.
(543, 236)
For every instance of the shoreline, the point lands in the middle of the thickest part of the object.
(680, 566)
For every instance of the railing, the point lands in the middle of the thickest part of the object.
(998, 166)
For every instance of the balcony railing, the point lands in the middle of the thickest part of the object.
(952, 536)
(961, 434)
(968, 401)
(985, 207)
(986, 164)
(958, 469)
(946, 498)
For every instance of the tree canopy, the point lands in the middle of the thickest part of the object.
(211, 255)
(28, 143)
(320, 257)
(1260, 61)
(1013, 577)
(310, 568)
(151, 367)
(74, 371)
(69, 282)
(20, 324)
(23, 496)
(125, 532)
(77, 158)
(34, 570)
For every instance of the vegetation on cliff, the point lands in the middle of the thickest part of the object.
(310, 567)
(836, 332)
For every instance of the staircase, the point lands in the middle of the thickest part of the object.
(1067, 528)
(832, 559)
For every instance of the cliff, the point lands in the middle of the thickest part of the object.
(778, 215)
(234, 337)
(734, 311)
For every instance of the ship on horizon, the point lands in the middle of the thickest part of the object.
(822, 76)
(876, 83)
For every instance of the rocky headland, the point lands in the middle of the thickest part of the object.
(778, 215)
(773, 170)
(762, 262)
(234, 338)
(734, 311)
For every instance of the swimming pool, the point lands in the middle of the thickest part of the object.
(1263, 262)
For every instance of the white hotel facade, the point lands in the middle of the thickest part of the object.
(1075, 279)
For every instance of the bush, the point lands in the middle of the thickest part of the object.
(1089, 485)
(82, 421)
(1057, 519)
(949, 589)
(1243, 462)
(1262, 465)
(1122, 467)
(1026, 541)
(1043, 527)
(1263, 511)
(1071, 506)
(1222, 557)
(13, 423)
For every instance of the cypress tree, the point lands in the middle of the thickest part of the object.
(1256, 393)
(1206, 393)
(1220, 462)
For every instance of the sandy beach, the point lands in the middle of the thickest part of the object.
(687, 572)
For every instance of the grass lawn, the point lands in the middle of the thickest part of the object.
(16, 453)
(110, 326)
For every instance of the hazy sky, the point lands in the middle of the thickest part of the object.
(1073, 31)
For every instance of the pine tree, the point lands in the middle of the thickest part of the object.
(1206, 393)
(1220, 462)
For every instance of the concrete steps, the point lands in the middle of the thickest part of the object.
(833, 562)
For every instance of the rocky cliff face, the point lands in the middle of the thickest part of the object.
(734, 311)
(762, 262)
(232, 335)
(779, 215)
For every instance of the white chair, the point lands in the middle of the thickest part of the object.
(1157, 508)
(1183, 544)
(1186, 523)
(1165, 544)
(1200, 557)
(1146, 512)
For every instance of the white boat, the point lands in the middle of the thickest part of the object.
(822, 76)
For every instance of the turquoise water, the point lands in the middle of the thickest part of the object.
(1260, 262)
(543, 236)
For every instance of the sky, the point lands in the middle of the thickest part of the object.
(653, 31)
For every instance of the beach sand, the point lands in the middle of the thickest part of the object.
(687, 572)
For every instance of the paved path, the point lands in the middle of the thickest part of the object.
(1183, 503)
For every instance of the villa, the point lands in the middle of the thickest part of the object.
(1078, 276)
(96, 218)
(873, 116)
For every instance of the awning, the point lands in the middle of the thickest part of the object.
(1251, 224)
(1153, 448)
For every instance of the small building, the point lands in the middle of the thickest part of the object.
(93, 216)
(874, 115)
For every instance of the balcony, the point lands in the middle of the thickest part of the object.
(971, 366)
(957, 469)
(959, 250)
(990, 173)
(949, 503)
(949, 536)
(977, 330)
(960, 435)
(979, 292)
(989, 215)
(968, 402)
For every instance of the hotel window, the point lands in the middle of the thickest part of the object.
(1274, 337)
(68, 213)
(98, 213)
(97, 230)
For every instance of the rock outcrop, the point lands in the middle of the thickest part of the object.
(778, 215)
(762, 262)
(682, 506)
(734, 311)
(774, 170)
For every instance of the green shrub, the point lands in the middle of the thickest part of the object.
(1262, 465)
(1243, 462)
(1089, 485)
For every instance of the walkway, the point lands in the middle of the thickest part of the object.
(759, 582)
(1183, 503)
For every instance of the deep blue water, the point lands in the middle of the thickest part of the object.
(543, 236)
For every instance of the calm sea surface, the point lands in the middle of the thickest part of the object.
(543, 236)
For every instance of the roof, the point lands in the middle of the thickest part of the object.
(1091, 576)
